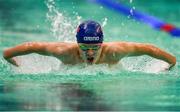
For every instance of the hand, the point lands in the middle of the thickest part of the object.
(12, 61)
(171, 66)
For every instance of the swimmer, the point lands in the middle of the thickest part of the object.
(89, 49)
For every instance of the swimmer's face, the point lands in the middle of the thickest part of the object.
(89, 51)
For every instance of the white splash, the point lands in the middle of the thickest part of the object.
(130, 1)
(144, 64)
(63, 28)
(104, 22)
(132, 10)
(84, 69)
(35, 64)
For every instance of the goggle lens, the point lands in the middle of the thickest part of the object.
(85, 48)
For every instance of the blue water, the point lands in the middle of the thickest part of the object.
(44, 83)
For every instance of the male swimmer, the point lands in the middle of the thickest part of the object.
(89, 49)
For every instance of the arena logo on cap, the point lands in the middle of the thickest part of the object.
(91, 38)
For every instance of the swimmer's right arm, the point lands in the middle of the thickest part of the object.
(42, 48)
(138, 49)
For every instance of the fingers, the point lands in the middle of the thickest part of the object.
(13, 62)
(171, 66)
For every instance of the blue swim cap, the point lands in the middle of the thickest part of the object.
(89, 32)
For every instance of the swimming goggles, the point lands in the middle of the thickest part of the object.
(88, 47)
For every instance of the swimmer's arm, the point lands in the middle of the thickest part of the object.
(42, 48)
(137, 49)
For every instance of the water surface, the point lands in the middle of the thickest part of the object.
(44, 83)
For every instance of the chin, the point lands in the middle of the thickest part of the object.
(90, 60)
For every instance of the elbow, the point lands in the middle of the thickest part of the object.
(6, 54)
(161, 54)
(152, 50)
(173, 60)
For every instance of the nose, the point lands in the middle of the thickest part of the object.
(90, 52)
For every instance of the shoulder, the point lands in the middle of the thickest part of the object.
(62, 47)
(123, 44)
(66, 46)
(120, 47)
(112, 47)
(63, 44)
(115, 45)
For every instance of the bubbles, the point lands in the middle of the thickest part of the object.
(63, 28)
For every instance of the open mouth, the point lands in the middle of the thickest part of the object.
(90, 60)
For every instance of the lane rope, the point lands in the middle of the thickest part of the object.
(152, 21)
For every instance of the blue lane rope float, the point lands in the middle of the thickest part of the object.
(150, 20)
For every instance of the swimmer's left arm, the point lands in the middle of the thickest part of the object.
(137, 49)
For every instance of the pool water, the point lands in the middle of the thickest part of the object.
(44, 83)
